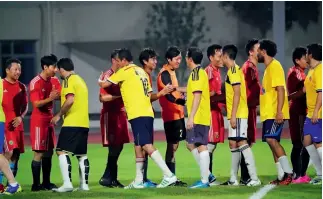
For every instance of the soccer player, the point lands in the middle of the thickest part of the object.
(44, 89)
(114, 126)
(297, 111)
(15, 106)
(237, 114)
(172, 107)
(313, 121)
(250, 72)
(199, 114)
(216, 132)
(148, 59)
(13, 187)
(135, 92)
(74, 132)
(274, 108)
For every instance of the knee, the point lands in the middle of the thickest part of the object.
(271, 142)
(190, 147)
(38, 156)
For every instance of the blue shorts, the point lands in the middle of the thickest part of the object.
(143, 130)
(270, 129)
(314, 130)
(198, 135)
(1, 137)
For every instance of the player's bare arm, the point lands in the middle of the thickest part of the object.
(66, 106)
(181, 89)
(195, 105)
(280, 102)
(166, 90)
(107, 97)
(235, 104)
(318, 105)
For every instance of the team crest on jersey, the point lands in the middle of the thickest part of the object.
(10, 142)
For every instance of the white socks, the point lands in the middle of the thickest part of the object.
(315, 158)
(280, 171)
(285, 164)
(250, 161)
(319, 151)
(211, 147)
(139, 170)
(156, 156)
(66, 168)
(196, 156)
(84, 169)
(235, 162)
(204, 166)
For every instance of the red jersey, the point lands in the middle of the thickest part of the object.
(215, 83)
(40, 89)
(251, 76)
(114, 90)
(295, 82)
(14, 102)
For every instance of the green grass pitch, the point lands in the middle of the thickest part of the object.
(186, 169)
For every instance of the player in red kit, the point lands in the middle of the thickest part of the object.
(216, 132)
(15, 105)
(251, 76)
(297, 110)
(114, 126)
(44, 89)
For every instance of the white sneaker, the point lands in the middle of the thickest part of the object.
(64, 188)
(215, 183)
(135, 185)
(167, 181)
(253, 183)
(83, 187)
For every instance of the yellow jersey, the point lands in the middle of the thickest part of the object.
(2, 116)
(135, 90)
(235, 77)
(78, 114)
(273, 76)
(313, 85)
(198, 82)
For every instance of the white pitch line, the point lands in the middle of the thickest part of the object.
(262, 192)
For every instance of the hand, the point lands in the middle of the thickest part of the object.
(304, 89)
(314, 118)
(167, 89)
(190, 123)
(233, 122)
(279, 118)
(212, 93)
(54, 94)
(55, 119)
(16, 121)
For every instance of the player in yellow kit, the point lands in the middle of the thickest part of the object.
(274, 108)
(135, 91)
(313, 122)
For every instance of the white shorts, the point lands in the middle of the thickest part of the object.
(240, 132)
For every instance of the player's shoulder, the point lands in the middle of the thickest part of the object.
(198, 73)
(36, 81)
(275, 64)
(235, 69)
(108, 73)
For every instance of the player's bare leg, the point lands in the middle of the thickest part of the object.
(315, 152)
(66, 172)
(171, 162)
(13, 186)
(36, 168)
(280, 156)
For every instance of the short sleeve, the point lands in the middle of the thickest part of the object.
(234, 76)
(277, 76)
(150, 89)
(119, 76)
(56, 84)
(198, 80)
(318, 79)
(34, 91)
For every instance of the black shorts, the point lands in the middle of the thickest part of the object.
(143, 130)
(73, 140)
(175, 131)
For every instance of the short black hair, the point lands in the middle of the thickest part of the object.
(66, 64)
(11, 61)
(48, 60)
(211, 50)
(196, 55)
(171, 52)
(315, 50)
(124, 53)
(250, 44)
(114, 53)
(269, 46)
(146, 54)
(231, 50)
(298, 53)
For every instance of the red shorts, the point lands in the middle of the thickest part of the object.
(296, 125)
(216, 132)
(114, 128)
(42, 134)
(252, 125)
(14, 139)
